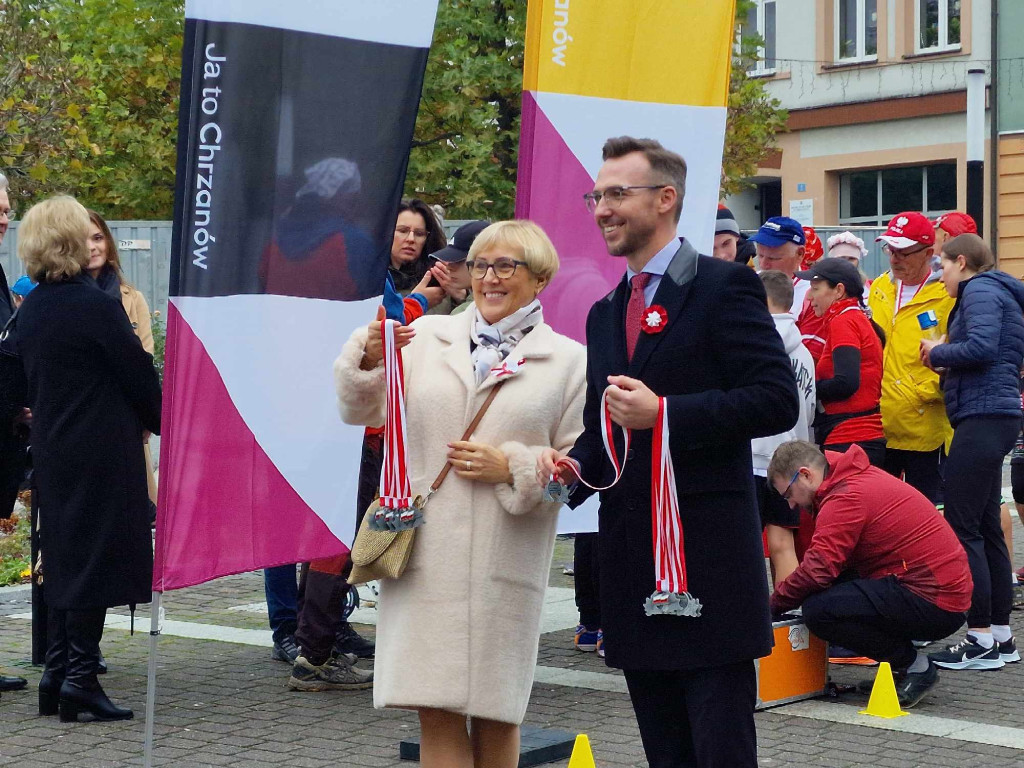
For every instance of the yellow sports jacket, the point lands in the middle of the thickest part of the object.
(913, 412)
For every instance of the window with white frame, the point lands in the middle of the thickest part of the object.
(761, 22)
(856, 30)
(872, 198)
(938, 24)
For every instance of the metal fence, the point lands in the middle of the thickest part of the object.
(145, 249)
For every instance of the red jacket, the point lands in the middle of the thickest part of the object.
(879, 526)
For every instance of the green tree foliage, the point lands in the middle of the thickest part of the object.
(89, 100)
(40, 134)
(466, 143)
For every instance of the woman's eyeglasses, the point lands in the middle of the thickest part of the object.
(503, 268)
(403, 232)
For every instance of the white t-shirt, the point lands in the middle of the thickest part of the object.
(800, 288)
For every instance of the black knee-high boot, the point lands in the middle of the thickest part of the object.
(56, 662)
(81, 692)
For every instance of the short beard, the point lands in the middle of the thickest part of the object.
(635, 240)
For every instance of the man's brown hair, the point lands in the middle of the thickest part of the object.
(975, 251)
(778, 287)
(792, 455)
(667, 167)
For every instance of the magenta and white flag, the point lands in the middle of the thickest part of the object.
(295, 125)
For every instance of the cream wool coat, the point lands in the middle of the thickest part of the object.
(459, 630)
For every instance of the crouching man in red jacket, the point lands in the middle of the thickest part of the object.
(911, 579)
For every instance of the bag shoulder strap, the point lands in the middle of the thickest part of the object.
(469, 432)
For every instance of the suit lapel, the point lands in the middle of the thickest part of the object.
(672, 293)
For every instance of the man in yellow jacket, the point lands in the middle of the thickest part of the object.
(913, 412)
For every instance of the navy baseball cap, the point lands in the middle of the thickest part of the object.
(779, 230)
(461, 242)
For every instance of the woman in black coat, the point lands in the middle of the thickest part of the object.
(93, 393)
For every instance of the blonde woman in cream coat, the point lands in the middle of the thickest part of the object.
(457, 634)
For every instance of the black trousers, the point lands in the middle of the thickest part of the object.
(701, 718)
(585, 567)
(875, 449)
(918, 469)
(878, 618)
(322, 593)
(973, 483)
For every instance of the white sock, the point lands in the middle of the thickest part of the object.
(984, 639)
(1001, 632)
(920, 664)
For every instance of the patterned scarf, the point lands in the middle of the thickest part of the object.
(492, 343)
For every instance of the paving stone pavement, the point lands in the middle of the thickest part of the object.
(226, 704)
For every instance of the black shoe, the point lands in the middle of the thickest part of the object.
(866, 686)
(350, 641)
(968, 654)
(914, 685)
(12, 683)
(91, 700)
(285, 650)
(56, 663)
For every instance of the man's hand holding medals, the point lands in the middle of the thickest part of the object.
(630, 404)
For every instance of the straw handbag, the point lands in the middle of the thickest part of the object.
(384, 554)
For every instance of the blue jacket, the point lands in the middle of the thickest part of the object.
(986, 346)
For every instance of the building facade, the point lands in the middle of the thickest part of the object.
(876, 94)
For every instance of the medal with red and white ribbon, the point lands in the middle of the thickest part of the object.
(396, 511)
(671, 595)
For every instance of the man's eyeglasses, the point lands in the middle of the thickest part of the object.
(419, 234)
(789, 488)
(9, 213)
(890, 251)
(503, 268)
(613, 195)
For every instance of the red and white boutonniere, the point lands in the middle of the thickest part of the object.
(654, 319)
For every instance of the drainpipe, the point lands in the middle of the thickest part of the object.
(976, 147)
(993, 100)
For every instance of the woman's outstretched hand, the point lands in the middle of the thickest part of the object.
(480, 462)
(373, 353)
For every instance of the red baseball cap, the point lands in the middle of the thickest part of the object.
(908, 229)
(956, 223)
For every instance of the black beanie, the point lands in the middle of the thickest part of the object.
(726, 222)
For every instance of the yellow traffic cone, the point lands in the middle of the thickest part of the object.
(582, 757)
(884, 702)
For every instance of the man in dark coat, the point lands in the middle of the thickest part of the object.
(726, 378)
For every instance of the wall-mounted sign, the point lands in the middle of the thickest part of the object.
(134, 245)
(801, 187)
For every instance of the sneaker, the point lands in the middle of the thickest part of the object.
(866, 686)
(9, 683)
(600, 643)
(1008, 652)
(349, 641)
(968, 654)
(338, 673)
(585, 640)
(914, 685)
(285, 650)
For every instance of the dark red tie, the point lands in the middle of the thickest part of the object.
(635, 311)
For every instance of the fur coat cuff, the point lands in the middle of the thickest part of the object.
(524, 495)
(360, 393)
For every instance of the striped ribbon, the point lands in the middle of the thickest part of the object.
(396, 508)
(671, 595)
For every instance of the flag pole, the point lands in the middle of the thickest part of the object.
(154, 634)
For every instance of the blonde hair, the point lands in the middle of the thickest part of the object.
(52, 239)
(529, 241)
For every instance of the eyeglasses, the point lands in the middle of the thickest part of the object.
(503, 268)
(613, 195)
(890, 251)
(789, 488)
(403, 232)
(10, 213)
